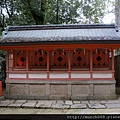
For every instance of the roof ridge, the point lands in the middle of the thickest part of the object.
(64, 26)
(61, 26)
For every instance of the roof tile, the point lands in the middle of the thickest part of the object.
(60, 33)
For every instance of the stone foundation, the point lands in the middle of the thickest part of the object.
(38, 89)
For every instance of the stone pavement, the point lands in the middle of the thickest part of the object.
(61, 104)
(9, 106)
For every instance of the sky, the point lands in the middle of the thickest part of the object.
(109, 18)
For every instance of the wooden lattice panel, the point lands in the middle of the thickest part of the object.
(80, 58)
(59, 58)
(100, 58)
(20, 58)
(40, 58)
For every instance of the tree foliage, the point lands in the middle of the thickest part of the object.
(93, 10)
(29, 12)
(62, 11)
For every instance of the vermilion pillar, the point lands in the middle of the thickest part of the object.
(112, 51)
(7, 64)
(91, 63)
(27, 61)
(69, 63)
(48, 63)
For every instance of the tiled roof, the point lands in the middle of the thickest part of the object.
(61, 33)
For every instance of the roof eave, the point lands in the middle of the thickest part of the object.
(60, 42)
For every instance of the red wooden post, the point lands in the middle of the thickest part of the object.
(112, 51)
(7, 64)
(48, 63)
(27, 64)
(69, 64)
(91, 63)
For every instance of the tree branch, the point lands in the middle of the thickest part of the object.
(7, 9)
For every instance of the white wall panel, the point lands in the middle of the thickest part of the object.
(43, 75)
(102, 75)
(17, 75)
(80, 75)
(58, 75)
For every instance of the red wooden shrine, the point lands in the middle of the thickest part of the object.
(60, 62)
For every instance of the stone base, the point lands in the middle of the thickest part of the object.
(118, 90)
(2, 97)
(76, 90)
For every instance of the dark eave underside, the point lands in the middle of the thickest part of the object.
(60, 42)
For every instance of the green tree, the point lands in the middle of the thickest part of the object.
(1, 17)
(24, 12)
(75, 11)
(62, 11)
(37, 9)
(30, 12)
(93, 11)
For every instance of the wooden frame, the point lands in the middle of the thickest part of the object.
(54, 56)
(68, 71)
(105, 56)
(83, 56)
(15, 59)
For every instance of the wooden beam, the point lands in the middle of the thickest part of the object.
(60, 46)
(39, 71)
(61, 79)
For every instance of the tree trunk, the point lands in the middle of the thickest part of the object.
(2, 17)
(38, 18)
(117, 12)
(57, 13)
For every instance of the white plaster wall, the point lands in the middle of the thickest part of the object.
(102, 75)
(43, 75)
(58, 75)
(17, 75)
(80, 75)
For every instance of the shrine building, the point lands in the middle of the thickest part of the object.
(60, 61)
